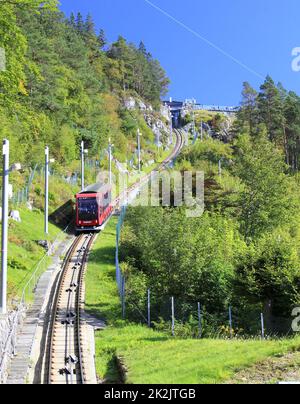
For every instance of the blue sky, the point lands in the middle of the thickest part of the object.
(259, 34)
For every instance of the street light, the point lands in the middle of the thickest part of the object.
(83, 151)
(47, 164)
(139, 148)
(201, 131)
(171, 126)
(194, 123)
(4, 241)
(110, 146)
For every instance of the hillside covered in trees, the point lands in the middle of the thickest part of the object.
(244, 252)
(65, 83)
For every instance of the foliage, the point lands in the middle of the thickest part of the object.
(63, 84)
(191, 260)
(267, 200)
(276, 110)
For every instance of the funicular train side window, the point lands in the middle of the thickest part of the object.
(100, 202)
(106, 201)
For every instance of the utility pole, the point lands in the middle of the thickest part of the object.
(3, 290)
(110, 161)
(171, 126)
(201, 131)
(4, 241)
(194, 123)
(139, 148)
(46, 189)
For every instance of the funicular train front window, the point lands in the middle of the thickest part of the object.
(87, 209)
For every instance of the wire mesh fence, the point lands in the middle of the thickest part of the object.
(185, 318)
(120, 278)
(22, 196)
(192, 320)
(30, 287)
(8, 339)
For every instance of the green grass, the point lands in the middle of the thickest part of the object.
(153, 357)
(23, 250)
(102, 299)
(197, 362)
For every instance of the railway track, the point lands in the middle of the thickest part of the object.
(179, 145)
(66, 362)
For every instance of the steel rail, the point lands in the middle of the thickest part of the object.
(66, 263)
(76, 364)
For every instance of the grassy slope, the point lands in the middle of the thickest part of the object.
(153, 357)
(23, 251)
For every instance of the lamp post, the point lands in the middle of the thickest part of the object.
(5, 184)
(171, 126)
(83, 151)
(4, 240)
(110, 146)
(47, 166)
(139, 148)
(46, 189)
(194, 123)
(201, 131)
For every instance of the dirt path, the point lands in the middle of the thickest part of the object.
(272, 371)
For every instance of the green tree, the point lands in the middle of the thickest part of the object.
(271, 107)
(266, 200)
(248, 114)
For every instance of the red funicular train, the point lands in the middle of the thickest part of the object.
(93, 207)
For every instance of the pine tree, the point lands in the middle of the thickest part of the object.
(72, 20)
(248, 114)
(80, 26)
(270, 106)
(89, 25)
(102, 39)
(292, 116)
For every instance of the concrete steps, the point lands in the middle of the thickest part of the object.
(20, 363)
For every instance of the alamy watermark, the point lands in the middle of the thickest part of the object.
(296, 59)
(2, 60)
(160, 189)
(296, 321)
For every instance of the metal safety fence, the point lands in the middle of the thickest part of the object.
(192, 319)
(121, 281)
(22, 196)
(41, 267)
(9, 327)
(11, 324)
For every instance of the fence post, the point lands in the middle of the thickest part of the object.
(262, 326)
(199, 320)
(149, 308)
(173, 316)
(230, 322)
(123, 297)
